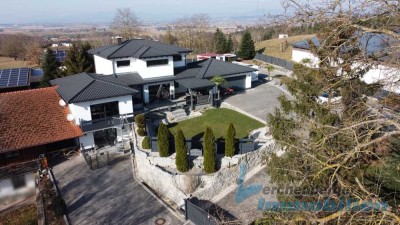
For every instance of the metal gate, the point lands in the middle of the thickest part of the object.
(197, 215)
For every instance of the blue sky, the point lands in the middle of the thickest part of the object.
(36, 11)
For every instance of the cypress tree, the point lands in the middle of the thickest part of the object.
(181, 159)
(230, 141)
(210, 153)
(50, 68)
(247, 49)
(163, 140)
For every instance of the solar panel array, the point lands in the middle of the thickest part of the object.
(60, 55)
(14, 77)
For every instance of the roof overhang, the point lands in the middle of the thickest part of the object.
(196, 83)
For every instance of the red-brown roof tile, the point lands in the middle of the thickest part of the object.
(33, 117)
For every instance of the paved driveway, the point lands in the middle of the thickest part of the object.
(258, 101)
(108, 195)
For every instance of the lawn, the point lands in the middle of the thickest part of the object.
(25, 215)
(218, 120)
(273, 46)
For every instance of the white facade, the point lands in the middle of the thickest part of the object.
(7, 189)
(108, 67)
(81, 110)
(254, 75)
(298, 55)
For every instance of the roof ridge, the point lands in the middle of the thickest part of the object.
(73, 97)
(122, 45)
(206, 68)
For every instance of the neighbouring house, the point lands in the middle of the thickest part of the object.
(282, 36)
(228, 57)
(32, 122)
(135, 74)
(377, 46)
(16, 79)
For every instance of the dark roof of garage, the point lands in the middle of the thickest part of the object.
(212, 67)
(87, 87)
(138, 48)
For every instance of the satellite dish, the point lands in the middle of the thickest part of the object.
(62, 102)
(70, 117)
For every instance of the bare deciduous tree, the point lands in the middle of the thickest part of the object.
(352, 145)
(127, 23)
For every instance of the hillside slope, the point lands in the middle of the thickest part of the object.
(273, 46)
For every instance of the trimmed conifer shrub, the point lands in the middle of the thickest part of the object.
(141, 132)
(140, 119)
(181, 159)
(163, 140)
(210, 153)
(146, 143)
(230, 141)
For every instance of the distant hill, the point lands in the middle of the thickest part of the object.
(273, 47)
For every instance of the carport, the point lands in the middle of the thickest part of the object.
(200, 91)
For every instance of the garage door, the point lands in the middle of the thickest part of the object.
(238, 83)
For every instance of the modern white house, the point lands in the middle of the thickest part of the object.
(133, 74)
(381, 72)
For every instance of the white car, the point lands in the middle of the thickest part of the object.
(324, 98)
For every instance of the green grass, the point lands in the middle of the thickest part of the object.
(218, 120)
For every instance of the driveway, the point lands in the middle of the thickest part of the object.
(259, 100)
(108, 195)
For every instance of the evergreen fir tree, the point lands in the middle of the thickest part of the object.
(229, 45)
(247, 49)
(163, 140)
(230, 141)
(78, 60)
(50, 68)
(219, 41)
(210, 152)
(181, 159)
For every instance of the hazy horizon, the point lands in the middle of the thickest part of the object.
(92, 11)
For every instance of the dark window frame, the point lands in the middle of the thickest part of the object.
(18, 181)
(157, 62)
(180, 58)
(123, 63)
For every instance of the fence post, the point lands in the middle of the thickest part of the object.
(186, 209)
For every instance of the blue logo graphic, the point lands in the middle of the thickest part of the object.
(243, 192)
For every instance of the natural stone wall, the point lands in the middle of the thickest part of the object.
(158, 173)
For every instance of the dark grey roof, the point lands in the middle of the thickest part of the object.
(87, 87)
(304, 44)
(195, 83)
(138, 48)
(212, 67)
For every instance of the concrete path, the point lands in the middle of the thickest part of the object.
(258, 101)
(107, 195)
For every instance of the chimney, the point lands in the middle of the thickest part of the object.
(119, 39)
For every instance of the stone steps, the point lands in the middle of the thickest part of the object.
(179, 115)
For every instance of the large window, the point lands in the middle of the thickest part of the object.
(177, 58)
(104, 110)
(157, 62)
(123, 63)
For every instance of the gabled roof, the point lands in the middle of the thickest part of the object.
(88, 87)
(33, 117)
(212, 67)
(138, 48)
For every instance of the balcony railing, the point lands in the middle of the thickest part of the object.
(104, 123)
